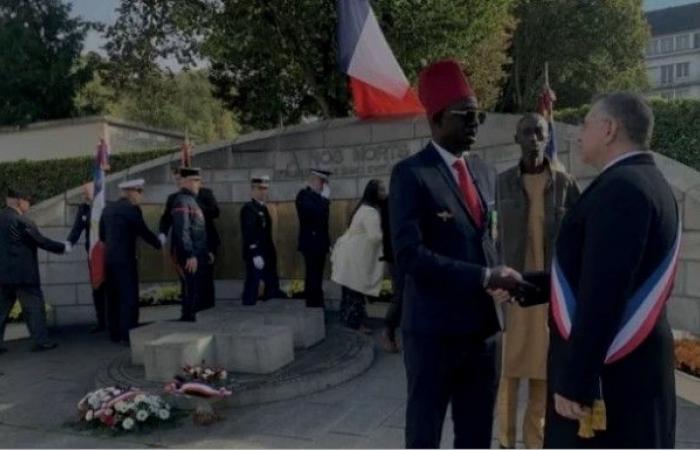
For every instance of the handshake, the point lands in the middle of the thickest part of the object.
(505, 285)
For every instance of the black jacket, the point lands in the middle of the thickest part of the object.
(19, 240)
(256, 228)
(610, 242)
(439, 249)
(189, 235)
(313, 211)
(387, 248)
(80, 224)
(120, 225)
(210, 207)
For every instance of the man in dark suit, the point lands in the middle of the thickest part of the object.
(259, 251)
(210, 207)
(313, 210)
(82, 223)
(442, 222)
(615, 246)
(19, 268)
(120, 225)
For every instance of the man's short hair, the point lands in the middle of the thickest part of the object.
(633, 112)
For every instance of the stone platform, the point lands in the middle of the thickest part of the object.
(257, 339)
(341, 356)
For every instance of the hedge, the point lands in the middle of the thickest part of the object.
(676, 129)
(45, 179)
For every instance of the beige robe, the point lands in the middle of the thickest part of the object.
(526, 339)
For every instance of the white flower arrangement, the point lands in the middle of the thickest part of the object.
(122, 409)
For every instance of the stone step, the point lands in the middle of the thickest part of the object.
(164, 357)
(253, 348)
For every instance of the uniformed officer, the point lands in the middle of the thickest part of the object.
(259, 251)
(313, 210)
(19, 268)
(210, 208)
(189, 242)
(80, 224)
(120, 225)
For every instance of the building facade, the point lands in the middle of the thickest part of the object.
(673, 52)
(79, 137)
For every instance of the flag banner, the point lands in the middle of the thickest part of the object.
(379, 86)
(96, 254)
(186, 151)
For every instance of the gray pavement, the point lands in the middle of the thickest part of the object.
(39, 392)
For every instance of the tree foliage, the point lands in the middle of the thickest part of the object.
(40, 66)
(591, 46)
(275, 62)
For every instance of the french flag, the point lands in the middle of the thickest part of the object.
(379, 86)
(96, 252)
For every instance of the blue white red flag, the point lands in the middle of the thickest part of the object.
(96, 254)
(379, 86)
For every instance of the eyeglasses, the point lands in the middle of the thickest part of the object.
(470, 116)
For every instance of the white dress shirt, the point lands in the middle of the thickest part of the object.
(449, 159)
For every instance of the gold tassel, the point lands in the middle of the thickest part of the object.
(585, 427)
(599, 416)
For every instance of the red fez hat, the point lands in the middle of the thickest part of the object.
(441, 84)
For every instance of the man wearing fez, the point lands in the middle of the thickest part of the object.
(532, 199)
(313, 210)
(19, 268)
(82, 223)
(259, 251)
(442, 224)
(189, 242)
(610, 368)
(120, 225)
(210, 207)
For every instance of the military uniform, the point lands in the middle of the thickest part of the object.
(19, 273)
(189, 240)
(313, 211)
(120, 225)
(256, 227)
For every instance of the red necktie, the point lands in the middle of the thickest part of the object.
(471, 195)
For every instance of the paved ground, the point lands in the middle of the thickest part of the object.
(38, 394)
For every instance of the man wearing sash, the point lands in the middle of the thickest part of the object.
(610, 366)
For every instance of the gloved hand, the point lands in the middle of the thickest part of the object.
(163, 239)
(326, 192)
(259, 262)
(67, 247)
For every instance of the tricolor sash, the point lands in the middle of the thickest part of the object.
(641, 310)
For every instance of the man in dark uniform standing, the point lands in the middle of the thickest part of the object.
(313, 210)
(80, 224)
(19, 268)
(189, 242)
(259, 251)
(120, 225)
(210, 208)
(610, 367)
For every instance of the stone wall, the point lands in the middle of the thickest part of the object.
(356, 151)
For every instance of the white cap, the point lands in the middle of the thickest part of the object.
(132, 184)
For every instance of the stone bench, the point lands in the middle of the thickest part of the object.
(253, 348)
(164, 357)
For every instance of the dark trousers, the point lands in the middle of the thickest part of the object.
(392, 320)
(253, 277)
(461, 370)
(99, 299)
(314, 262)
(193, 289)
(122, 300)
(208, 299)
(353, 313)
(33, 309)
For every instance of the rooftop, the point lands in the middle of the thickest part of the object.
(674, 20)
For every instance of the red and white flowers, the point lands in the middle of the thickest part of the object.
(122, 408)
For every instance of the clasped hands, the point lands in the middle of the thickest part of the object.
(504, 283)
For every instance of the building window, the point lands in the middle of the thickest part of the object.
(682, 42)
(667, 45)
(697, 40)
(667, 74)
(683, 70)
(653, 47)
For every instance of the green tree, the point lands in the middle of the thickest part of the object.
(275, 61)
(40, 69)
(591, 46)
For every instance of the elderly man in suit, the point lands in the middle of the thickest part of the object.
(442, 224)
(610, 368)
(19, 268)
